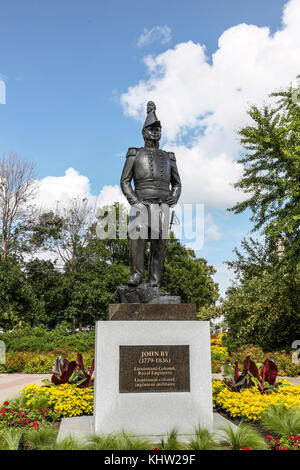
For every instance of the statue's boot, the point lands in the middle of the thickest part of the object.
(135, 280)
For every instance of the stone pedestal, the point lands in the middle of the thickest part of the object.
(152, 376)
(143, 312)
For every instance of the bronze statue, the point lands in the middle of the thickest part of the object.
(156, 185)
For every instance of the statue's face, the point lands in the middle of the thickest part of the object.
(152, 133)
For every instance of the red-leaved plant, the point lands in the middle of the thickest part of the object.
(72, 372)
(264, 379)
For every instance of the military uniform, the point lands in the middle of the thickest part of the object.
(156, 178)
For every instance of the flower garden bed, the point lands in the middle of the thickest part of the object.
(255, 396)
(249, 404)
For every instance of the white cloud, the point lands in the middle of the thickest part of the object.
(111, 194)
(224, 278)
(211, 229)
(201, 105)
(157, 33)
(207, 175)
(61, 189)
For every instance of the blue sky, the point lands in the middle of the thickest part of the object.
(75, 73)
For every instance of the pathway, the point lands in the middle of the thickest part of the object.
(11, 384)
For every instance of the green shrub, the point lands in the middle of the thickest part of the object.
(39, 363)
(43, 340)
(282, 358)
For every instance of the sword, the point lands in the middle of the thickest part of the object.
(174, 220)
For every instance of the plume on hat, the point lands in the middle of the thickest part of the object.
(151, 115)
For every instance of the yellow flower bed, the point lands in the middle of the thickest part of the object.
(66, 399)
(215, 349)
(250, 403)
(217, 339)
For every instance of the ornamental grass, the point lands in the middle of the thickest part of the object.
(172, 442)
(40, 438)
(282, 421)
(204, 440)
(245, 437)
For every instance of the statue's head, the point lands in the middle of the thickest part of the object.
(152, 127)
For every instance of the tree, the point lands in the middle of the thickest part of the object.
(257, 258)
(92, 268)
(19, 305)
(64, 231)
(272, 168)
(263, 307)
(95, 268)
(188, 276)
(47, 283)
(16, 190)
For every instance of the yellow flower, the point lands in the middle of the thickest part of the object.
(68, 399)
(250, 403)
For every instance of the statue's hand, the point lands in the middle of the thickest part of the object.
(171, 201)
(139, 205)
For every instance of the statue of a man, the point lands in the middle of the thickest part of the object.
(156, 184)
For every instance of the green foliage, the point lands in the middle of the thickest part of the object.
(41, 339)
(188, 276)
(40, 438)
(103, 442)
(204, 440)
(284, 422)
(68, 443)
(244, 436)
(172, 442)
(18, 304)
(11, 438)
(282, 358)
(264, 310)
(47, 284)
(264, 307)
(80, 285)
(117, 441)
(39, 363)
(16, 415)
(272, 167)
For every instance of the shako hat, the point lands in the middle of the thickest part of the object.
(151, 116)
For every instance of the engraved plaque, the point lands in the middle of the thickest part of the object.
(154, 369)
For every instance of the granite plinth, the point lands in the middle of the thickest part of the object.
(138, 395)
(152, 312)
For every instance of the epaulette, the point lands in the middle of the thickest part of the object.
(172, 156)
(132, 151)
